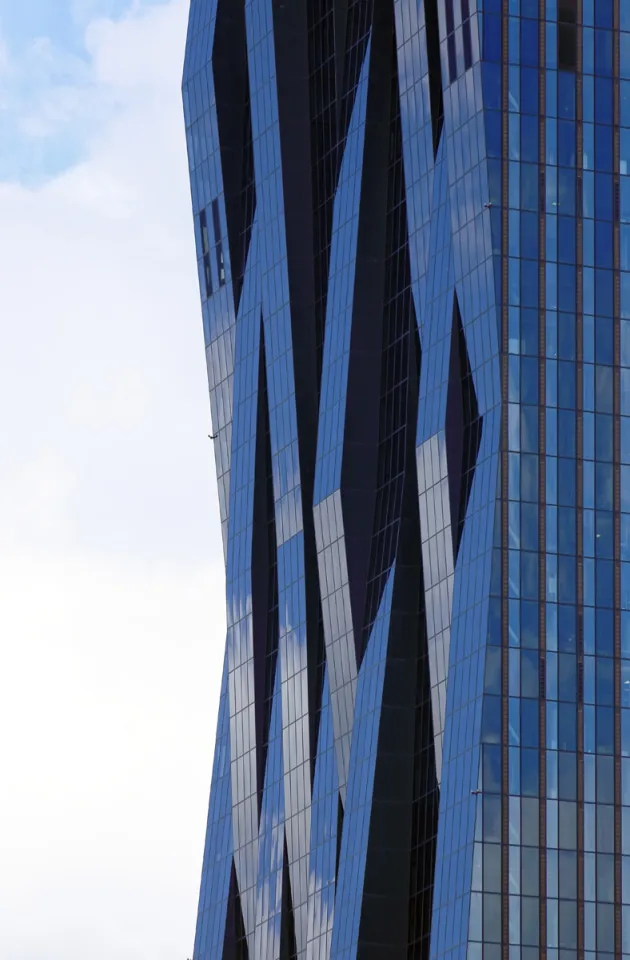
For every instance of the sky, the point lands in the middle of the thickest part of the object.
(111, 573)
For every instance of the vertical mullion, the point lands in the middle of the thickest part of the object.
(505, 791)
(616, 480)
(579, 452)
(542, 479)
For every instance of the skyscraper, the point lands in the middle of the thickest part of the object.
(413, 235)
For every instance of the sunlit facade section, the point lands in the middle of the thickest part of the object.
(412, 225)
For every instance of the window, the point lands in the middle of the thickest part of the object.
(435, 71)
(205, 253)
(567, 34)
(218, 243)
(450, 41)
(466, 36)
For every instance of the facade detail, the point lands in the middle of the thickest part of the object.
(412, 223)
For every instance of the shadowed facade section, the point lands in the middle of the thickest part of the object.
(234, 121)
(463, 428)
(346, 307)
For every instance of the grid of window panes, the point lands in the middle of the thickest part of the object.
(218, 327)
(505, 242)
(562, 407)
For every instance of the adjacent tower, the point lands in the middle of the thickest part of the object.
(412, 221)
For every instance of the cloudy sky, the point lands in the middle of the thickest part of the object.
(111, 592)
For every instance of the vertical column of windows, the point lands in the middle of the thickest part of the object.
(622, 158)
(505, 811)
(587, 160)
(525, 807)
(598, 520)
(588, 472)
(563, 669)
(601, 41)
(545, 538)
(580, 446)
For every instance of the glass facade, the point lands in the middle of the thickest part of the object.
(412, 222)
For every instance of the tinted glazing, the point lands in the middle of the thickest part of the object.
(412, 222)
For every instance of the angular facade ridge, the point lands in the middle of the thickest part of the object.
(411, 223)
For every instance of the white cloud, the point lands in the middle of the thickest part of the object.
(105, 756)
(111, 580)
(49, 103)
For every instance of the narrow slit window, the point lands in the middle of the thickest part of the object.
(203, 223)
(567, 35)
(435, 71)
(218, 242)
(466, 35)
(205, 252)
(450, 19)
(450, 41)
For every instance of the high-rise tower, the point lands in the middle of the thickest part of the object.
(413, 236)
